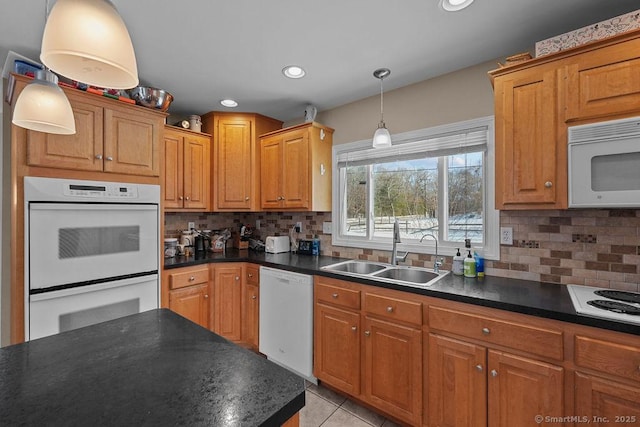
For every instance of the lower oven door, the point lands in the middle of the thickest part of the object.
(77, 243)
(57, 311)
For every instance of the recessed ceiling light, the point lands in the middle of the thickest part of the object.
(229, 103)
(293, 71)
(454, 5)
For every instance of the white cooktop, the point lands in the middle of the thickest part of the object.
(628, 301)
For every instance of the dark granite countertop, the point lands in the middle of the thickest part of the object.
(547, 300)
(154, 368)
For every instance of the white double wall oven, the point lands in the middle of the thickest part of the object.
(91, 252)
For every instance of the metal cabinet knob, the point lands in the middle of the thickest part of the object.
(334, 295)
(237, 278)
(99, 156)
(246, 198)
(354, 328)
(389, 309)
(367, 333)
(180, 198)
(479, 368)
(494, 373)
(250, 275)
(109, 158)
(188, 198)
(192, 278)
(548, 184)
(486, 331)
(206, 296)
(253, 297)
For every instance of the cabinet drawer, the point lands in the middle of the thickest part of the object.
(188, 278)
(253, 275)
(605, 356)
(540, 341)
(393, 308)
(335, 295)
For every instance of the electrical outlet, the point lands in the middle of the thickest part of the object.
(298, 227)
(506, 235)
(257, 224)
(191, 225)
(326, 227)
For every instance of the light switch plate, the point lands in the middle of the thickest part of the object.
(257, 224)
(191, 225)
(326, 227)
(506, 235)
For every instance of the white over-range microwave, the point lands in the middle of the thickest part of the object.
(604, 164)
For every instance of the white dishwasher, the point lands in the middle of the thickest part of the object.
(286, 320)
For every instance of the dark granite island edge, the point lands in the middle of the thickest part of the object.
(153, 368)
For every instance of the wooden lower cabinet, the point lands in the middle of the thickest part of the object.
(227, 311)
(457, 383)
(192, 302)
(251, 318)
(337, 347)
(519, 389)
(392, 369)
(606, 402)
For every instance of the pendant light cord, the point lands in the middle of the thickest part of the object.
(381, 102)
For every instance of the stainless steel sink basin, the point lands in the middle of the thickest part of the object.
(382, 272)
(413, 275)
(356, 267)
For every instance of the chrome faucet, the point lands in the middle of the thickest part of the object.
(396, 239)
(438, 261)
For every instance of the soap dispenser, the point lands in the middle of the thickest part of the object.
(458, 264)
(469, 265)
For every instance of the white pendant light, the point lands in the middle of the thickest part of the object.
(42, 106)
(382, 137)
(87, 41)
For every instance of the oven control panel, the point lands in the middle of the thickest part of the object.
(102, 191)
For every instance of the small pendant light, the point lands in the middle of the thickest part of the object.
(42, 106)
(381, 138)
(87, 41)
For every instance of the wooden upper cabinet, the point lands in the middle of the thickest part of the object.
(186, 177)
(236, 158)
(604, 82)
(296, 168)
(111, 137)
(531, 160)
(83, 150)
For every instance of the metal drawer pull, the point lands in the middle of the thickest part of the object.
(334, 295)
(367, 333)
(109, 158)
(494, 373)
(250, 275)
(354, 328)
(479, 368)
(389, 309)
(486, 331)
(192, 278)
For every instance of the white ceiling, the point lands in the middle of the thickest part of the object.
(204, 51)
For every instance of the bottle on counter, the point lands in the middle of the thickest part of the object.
(315, 245)
(479, 263)
(469, 265)
(458, 264)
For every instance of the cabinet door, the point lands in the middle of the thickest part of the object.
(521, 389)
(228, 302)
(81, 151)
(457, 383)
(172, 189)
(295, 170)
(191, 302)
(530, 160)
(131, 143)
(271, 194)
(233, 156)
(604, 82)
(605, 402)
(252, 315)
(392, 371)
(196, 172)
(337, 348)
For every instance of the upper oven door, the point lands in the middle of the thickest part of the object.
(77, 243)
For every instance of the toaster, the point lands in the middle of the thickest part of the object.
(276, 244)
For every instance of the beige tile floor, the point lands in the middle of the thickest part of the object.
(329, 409)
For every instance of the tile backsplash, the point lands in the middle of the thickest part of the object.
(593, 247)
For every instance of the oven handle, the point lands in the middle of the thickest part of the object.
(44, 206)
(92, 288)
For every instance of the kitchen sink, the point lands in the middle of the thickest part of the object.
(382, 272)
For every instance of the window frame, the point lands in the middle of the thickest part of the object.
(491, 247)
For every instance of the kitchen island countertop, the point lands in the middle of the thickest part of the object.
(548, 300)
(153, 368)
